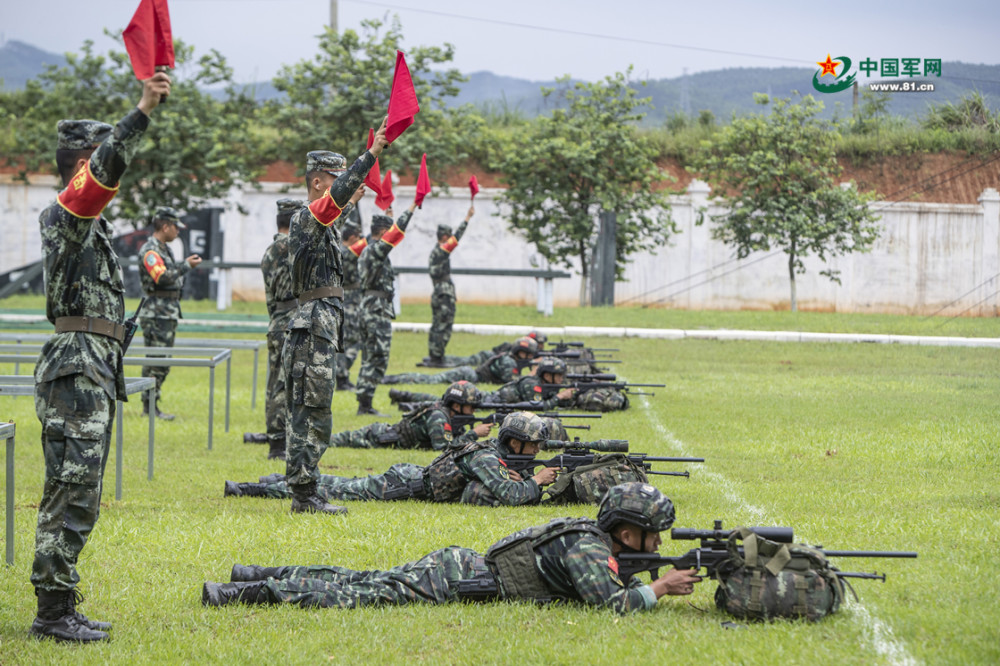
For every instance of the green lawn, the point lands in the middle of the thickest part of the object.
(855, 446)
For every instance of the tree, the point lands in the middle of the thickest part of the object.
(335, 97)
(778, 177)
(197, 147)
(564, 169)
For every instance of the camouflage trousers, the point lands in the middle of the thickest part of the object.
(475, 360)
(443, 318)
(601, 400)
(466, 372)
(274, 405)
(385, 486)
(352, 336)
(432, 579)
(307, 363)
(157, 333)
(365, 437)
(76, 416)
(376, 341)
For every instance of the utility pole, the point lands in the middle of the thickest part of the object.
(333, 15)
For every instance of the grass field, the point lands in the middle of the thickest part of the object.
(855, 446)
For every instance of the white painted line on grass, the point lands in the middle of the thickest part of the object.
(878, 633)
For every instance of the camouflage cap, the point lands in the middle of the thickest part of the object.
(444, 230)
(168, 214)
(381, 222)
(524, 426)
(638, 504)
(82, 134)
(325, 160)
(289, 206)
(350, 229)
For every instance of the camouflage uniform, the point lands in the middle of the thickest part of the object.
(375, 271)
(352, 304)
(281, 306)
(308, 355)
(600, 400)
(498, 369)
(79, 376)
(443, 296)
(162, 279)
(426, 428)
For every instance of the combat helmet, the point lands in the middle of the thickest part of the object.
(462, 393)
(638, 504)
(539, 337)
(524, 426)
(550, 364)
(525, 344)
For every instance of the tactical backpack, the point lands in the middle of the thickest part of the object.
(445, 479)
(771, 580)
(587, 484)
(513, 557)
(407, 436)
(602, 400)
(484, 371)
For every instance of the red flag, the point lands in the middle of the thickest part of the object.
(374, 179)
(403, 103)
(423, 182)
(148, 39)
(474, 186)
(386, 197)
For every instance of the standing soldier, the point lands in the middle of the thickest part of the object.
(280, 307)
(443, 297)
(162, 279)
(79, 376)
(377, 313)
(308, 358)
(353, 244)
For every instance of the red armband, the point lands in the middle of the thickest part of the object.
(358, 247)
(154, 265)
(325, 209)
(394, 236)
(85, 196)
(449, 244)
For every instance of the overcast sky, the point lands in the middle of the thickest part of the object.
(542, 39)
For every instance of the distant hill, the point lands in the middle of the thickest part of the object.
(723, 92)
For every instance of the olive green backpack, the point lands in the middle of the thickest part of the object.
(587, 484)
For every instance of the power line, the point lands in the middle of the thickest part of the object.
(670, 297)
(948, 305)
(974, 305)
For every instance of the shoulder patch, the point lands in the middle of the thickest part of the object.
(154, 265)
(613, 566)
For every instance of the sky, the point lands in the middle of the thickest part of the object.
(540, 40)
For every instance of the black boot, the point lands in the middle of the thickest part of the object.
(434, 362)
(277, 450)
(234, 489)
(255, 438)
(57, 618)
(399, 395)
(163, 415)
(250, 572)
(221, 594)
(344, 384)
(305, 500)
(272, 478)
(365, 406)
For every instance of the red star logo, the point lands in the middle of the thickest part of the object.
(830, 66)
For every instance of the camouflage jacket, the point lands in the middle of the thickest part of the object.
(375, 269)
(159, 271)
(578, 565)
(500, 369)
(277, 282)
(314, 249)
(82, 275)
(352, 278)
(440, 259)
(429, 426)
(526, 389)
(490, 483)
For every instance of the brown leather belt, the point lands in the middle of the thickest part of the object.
(379, 293)
(285, 306)
(103, 327)
(172, 294)
(321, 292)
(351, 286)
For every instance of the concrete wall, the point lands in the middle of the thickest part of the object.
(929, 256)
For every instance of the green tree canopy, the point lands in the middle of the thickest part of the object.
(587, 157)
(197, 146)
(778, 177)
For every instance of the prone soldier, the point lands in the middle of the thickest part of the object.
(481, 356)
(498, 369)
(443, 296)
(162, 279)
(79, 376)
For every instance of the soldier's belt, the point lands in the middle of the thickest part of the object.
(285, 306)
(378, 292)
(441, 280)
(103, 327)
(351, 286)
(172, 294)
(320, 292)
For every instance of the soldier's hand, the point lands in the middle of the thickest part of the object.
(413, 206)
(546, 476)
(193, 260)
(472, 211)
(515, 476)
(358, 193)
(380, 142)
(152, 89)
(482, 429)
(565, 394)
(676, 582)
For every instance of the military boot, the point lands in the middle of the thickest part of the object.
(365, 406)
(250, 572)
(234, 489)
(434, 362)
(398, 395)
(163, 415)
(305, 500)
(277, 477)
(344, 384)
(277, 450)
(255, 438)
(57, 618)
(221, 594)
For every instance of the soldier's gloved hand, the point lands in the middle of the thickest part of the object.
(193, 260)
(546, 476)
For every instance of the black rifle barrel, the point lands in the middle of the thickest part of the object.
(653, 471)
(779, 534)
(642, 457)
(602, 445)
(868, 553)
(593, 377)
